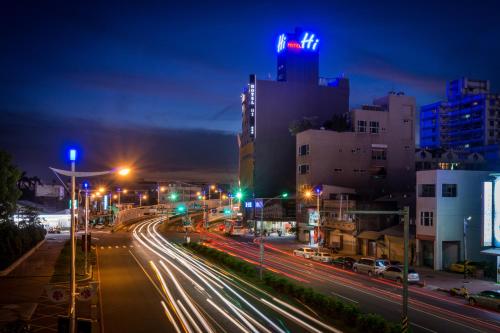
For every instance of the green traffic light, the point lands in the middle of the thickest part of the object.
(284, 195)
(181, 209)
(173, 196)
(239, 195)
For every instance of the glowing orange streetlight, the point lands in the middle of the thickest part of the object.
(123, 171)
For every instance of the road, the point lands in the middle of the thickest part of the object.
(150, 284)
(429, 311)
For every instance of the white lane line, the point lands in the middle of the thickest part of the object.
(109, 247)
(102, 247)
(116, 246)
(424, 328)
(124, 246)
(131, 246)
(347, 298)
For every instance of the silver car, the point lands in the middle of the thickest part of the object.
(370, 266)
(396, 273)
(305, 252)
(322, 256)
(488, 299)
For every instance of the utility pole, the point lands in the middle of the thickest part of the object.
(405, 214)
(86, 226)
(406, 230)
(72, 287)
(261, 243)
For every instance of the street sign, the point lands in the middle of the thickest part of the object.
(57, 294)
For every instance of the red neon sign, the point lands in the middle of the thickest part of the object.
(293, 45)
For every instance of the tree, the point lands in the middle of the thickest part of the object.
(301, 125)
(338, 123)
(27, 185)
(9, 193)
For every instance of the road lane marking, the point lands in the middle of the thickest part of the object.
(124, 246)
(424, 328)
(109, 247)
(102, 247)
(347, 298)
(116, 246)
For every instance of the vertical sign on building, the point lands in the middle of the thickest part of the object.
(487, 213)
(496, 212)
(252, 92)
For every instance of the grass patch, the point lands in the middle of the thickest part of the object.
(344, 316)
(63, 263)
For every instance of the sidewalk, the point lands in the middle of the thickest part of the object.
(444, 281)
(21, 289)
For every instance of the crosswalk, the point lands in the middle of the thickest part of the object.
(110, 247)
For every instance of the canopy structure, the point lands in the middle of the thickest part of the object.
(80, 174)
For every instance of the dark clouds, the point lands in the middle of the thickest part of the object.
(39, 142)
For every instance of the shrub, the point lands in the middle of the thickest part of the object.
(371, 323)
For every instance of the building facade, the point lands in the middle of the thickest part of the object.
(446, 201)
(469, 120)
(266, 145)
(376, 157)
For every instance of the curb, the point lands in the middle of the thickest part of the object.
(21, 259)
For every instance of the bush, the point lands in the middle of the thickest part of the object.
(16, 241)
(371, 323)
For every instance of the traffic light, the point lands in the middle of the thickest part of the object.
(227, 211)
(284, 195)
(239, 195)
(181, 209)
(173, 196)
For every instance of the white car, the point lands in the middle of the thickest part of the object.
(322, 257)
(303, 252)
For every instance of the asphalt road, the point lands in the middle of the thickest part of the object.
(129, 300)
(150, 284)
(429, 311)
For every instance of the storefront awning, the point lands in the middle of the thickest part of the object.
(371, 235)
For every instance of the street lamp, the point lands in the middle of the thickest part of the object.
(160, 189)
(73, 174)
(308, 194)
(466, 220)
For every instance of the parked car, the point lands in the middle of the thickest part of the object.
(322, 256)
(344, 262)
(370, 266)
(488, 298)
(395, 273)
(303, 252)
(459, 266)
(54, 230)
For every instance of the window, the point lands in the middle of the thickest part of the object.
(449, 190)
(427, 190)
(337, 170)
(362, 126)
(379, 155)
(304, 150)
(426, 218)
(374, 128)
(303, 169)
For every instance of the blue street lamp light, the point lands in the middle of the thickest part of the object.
(72, 155)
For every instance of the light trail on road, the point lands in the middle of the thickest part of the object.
(356, 287)
(197, 292)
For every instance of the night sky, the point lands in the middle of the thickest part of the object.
(158, 85)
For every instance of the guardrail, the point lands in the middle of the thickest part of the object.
(126, 215)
